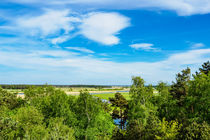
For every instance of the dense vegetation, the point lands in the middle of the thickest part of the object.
(180, 111)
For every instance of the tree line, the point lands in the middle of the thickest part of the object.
(178, 111)
(7, 86)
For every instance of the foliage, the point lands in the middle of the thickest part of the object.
(198, 100)
(59, 131)
(167, 130)
(119, 134)
(180, 111)
(136, 130)
(120, 105)
(140, 105)
(106, 96)
(179, 89)
(9, 100)
(155, 129)
(35, 92)
(95, 121)
(165, 103)
(198, 131)
(57, 104)
(205, 68)
(26, 123)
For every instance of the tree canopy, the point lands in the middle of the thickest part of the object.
(180, 111)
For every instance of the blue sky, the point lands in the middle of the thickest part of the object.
(101, 41)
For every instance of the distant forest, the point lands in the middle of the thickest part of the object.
(7, 86)
(180, 111)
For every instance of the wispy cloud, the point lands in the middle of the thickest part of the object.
(50, 22)
(197, 45)
(144, 46)
(60, 39)
(80, 49)
(58, 26)
(182, 7)
(51, 53)
(90, 69)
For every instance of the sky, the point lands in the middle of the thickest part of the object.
(102, 42)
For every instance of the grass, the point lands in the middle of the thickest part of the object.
(105, 96)
(101, 93)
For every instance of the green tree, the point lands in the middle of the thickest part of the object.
(120, 105)
(55, 103)
(167, 130)
(119, 134)
(7, 125)
(59, 131)
(135, 130)
(164, 102)
(198, 99)
(197, 131)
(94, 122)
(9, 99)
(140, 105)
(154, 129)
(179, 89)
(27, 123)
(205, 68)
(39, 92)
(140, 109)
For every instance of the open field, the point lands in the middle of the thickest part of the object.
(103, 93)
(96, 92)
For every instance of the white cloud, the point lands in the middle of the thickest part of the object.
(182, 7)
(190, 57)
(53, 53)
(51, 22)
(103, 27)
(60, 39)
(197, 45)
(80, 49)
(143, 46)
(89, 70)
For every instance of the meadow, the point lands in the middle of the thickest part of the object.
(103, 93)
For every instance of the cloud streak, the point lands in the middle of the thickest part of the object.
(51, 22)
(80, 49)
(197, 45)
(181, 7)
(87, 68)
(143, 46)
